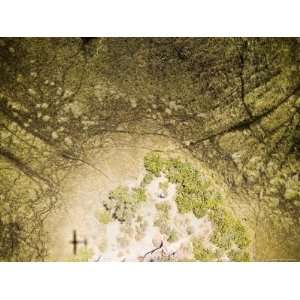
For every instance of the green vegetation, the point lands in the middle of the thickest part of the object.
(164, 208)
(164, 187)
(163, 224)
(173, 236)
(147, 179)
(84, 255)
(195, 193)
(122, 203)
(139, 194)
(201, 253)
(228, 230)
(163, 220)
(239, 256)
(153, 164)
(104, 217)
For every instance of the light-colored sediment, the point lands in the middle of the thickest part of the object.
(85, 189)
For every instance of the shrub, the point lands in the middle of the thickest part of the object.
(123, 203)
(153, 163)
(184, 203)
(239, 256)
(147, 179)
(104, 217)
(199, 209)
(163, 225)
(172, 236)
(83, 255)
(194, 194)
(201, 253)
(228, 230)
(190, 230)
(164, 208)
(140, 195)
(164, 187)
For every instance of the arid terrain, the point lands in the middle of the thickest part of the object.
(152, 149)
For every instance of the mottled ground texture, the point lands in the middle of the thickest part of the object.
(73, 110)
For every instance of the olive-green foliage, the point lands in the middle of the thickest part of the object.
(140, 229)
(122, 203)
(228, 230)
(84, 255)
(9, 240)
(173, 236)
(193, 192)
(139, 194)
(153, 163)
(164, 186)
(163, 218)
(147, 179)
(239, 256)
(201, 253)
(104, 217)
(164, 208)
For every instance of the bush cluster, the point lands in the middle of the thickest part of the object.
(194, 194)
(122, 203)
(201, 253)
(228, 230)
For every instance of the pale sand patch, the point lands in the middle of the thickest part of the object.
(122, 160)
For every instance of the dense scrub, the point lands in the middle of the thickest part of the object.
(196, 193)
(122, 203)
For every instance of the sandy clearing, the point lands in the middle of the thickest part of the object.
(85, 188)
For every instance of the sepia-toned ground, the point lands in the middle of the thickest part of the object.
(122, 162)
(76, 120)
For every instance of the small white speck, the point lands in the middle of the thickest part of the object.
(168, 111)
(133, 103)
(59, 91)
(19, 77)
(31, 91)
(67, 94)
(54, 135)
(68, 141)
(46, 118)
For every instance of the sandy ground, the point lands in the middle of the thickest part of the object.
(85, 189)
(152, 236)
